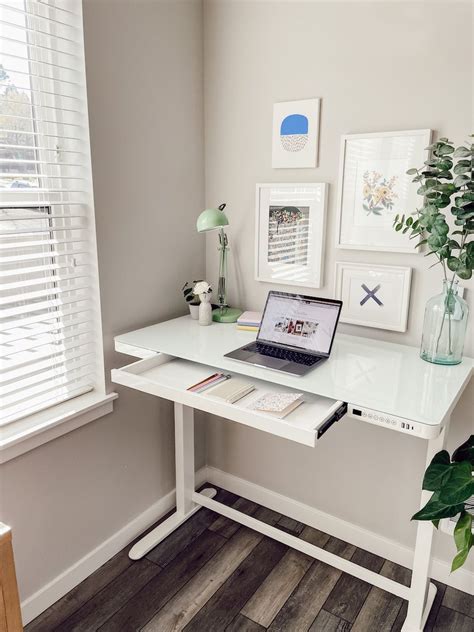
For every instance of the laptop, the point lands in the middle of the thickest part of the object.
(296, 333)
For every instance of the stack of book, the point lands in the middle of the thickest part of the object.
(278, 405)
(249, 321)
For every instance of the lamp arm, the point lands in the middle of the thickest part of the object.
(221, 286)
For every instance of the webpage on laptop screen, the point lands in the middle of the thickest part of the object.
(303, 323)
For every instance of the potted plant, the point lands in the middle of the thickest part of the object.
(446, 180)
(452, 484)
(191, 299)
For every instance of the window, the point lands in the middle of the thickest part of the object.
(50, 335)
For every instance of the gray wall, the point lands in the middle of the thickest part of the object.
(377, 67)
(144, 74)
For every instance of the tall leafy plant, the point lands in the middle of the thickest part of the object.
(446, 182)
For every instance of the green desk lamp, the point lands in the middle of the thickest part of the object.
(212, 219)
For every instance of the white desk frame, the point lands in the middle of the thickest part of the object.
(421, 593)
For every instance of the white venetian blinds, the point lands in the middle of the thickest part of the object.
(49, 327)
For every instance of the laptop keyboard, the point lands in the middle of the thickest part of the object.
(285, 354)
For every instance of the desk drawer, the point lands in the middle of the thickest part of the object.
(169, 378)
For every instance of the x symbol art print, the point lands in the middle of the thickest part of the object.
(371, 294)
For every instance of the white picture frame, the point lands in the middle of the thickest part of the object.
(374, 186)
(289, 245)
(295, 137)
(374, 295)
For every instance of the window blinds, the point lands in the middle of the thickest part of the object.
(49, 324)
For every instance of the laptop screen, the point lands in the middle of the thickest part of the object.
(299, 321)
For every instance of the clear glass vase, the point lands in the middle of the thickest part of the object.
(444, 327)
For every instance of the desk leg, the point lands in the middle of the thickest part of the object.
(185, 507)
(422, 592)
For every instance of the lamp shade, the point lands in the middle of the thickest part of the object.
(211, 218)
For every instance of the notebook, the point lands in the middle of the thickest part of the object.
(231, 390)
(278, 405)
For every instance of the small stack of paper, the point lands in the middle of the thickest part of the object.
(278, 405)
(249, 321)
(232, 390)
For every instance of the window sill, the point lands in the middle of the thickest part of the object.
(31, 432)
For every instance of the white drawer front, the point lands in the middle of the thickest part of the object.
(169, 378)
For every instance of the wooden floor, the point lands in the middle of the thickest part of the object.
(213, 575)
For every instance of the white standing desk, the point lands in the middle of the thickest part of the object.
(377, 382)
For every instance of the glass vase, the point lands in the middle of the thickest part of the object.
(444, 326)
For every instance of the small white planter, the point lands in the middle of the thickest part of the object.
(194, 311)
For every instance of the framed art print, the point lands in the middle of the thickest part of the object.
(295, 134)
(374, 187)
(374, 295)
(290, 224)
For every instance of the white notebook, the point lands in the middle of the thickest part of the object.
(231, 390)
(277, 405)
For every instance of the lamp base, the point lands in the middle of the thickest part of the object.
(228, 315)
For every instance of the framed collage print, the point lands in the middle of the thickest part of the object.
(374, 187)
(290, 225)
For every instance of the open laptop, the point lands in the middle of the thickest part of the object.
(295, 335)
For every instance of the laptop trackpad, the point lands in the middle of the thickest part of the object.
(268, 361)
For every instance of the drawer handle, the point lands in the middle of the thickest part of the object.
(338, 414)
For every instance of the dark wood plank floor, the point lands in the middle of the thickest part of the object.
(213, 575)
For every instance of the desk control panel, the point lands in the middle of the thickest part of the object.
(392, 422)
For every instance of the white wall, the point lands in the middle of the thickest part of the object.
(377, 66)
(144, 73)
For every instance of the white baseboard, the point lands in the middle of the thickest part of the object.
(368, 540)
(75, 574)
(358, 536)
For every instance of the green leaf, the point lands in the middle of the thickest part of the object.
(447, 175)
(412, 172)
(453, 263)
(435, 509)
(454, 244)
(459, 169)
(462, 201)
(448, 187)
(442, 201)
(464, 273)
(462, 531)
(460, 181)
(460, 558)
(465, 452)
(421, 243)
(445, 150)
(462, 152)
(435, 523)
(398, 227)
(435, 475)
(459, 486)
(441, 458)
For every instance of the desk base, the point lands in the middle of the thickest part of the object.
(420, 594)
(163, 530)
